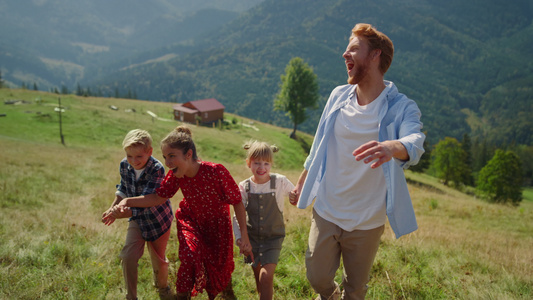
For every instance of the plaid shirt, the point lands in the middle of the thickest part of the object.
(153, 221)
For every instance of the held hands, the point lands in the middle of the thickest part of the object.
(107, 217)
(245, 248)
(293, 197)
(115, 212)
(122, 206)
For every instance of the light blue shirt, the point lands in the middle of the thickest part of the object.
(399, 119)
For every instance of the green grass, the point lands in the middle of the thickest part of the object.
(527, 195)
(53, 245)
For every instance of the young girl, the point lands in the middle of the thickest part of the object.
(203, 217)
(263, 194)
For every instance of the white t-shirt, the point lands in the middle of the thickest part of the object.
(352, 194)
(138, 173)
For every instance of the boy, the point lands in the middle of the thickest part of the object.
(141, 174)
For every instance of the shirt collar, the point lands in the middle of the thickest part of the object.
(388, 88)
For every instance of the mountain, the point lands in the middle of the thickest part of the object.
(468, 64)
(62, 42)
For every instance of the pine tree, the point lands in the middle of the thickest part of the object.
(1, 80)
(466, 145)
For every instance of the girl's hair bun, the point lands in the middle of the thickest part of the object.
(184, 129)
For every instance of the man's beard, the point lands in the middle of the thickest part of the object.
(360, 74)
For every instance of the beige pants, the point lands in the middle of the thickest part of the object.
(133, 251)
(327, 243)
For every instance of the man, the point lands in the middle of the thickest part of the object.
(367, 134)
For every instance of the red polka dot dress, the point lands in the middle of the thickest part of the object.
(204, 228)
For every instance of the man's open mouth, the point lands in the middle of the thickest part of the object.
(349, 66)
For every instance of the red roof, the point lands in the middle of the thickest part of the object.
(201, 105)
(184, 109)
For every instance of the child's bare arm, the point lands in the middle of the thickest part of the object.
(115, 213)
(141, 201)
(243, 242)
(298, 188)
(107, 219)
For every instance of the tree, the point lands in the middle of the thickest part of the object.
(501, 178)
(466, 144)
(298, 91)
(87, 92)
(526, 158)
(449, 161)
(64, 90)
(484, 152)
(1, 80)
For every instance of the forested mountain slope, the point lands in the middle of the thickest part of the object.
(61, 42)
(467, 63)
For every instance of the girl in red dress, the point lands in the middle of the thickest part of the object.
(203, 218)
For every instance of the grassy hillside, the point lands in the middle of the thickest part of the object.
(54, 246)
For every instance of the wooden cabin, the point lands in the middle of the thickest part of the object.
(207, 111)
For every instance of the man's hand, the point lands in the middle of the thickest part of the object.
(380, 152)
(293, 197)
